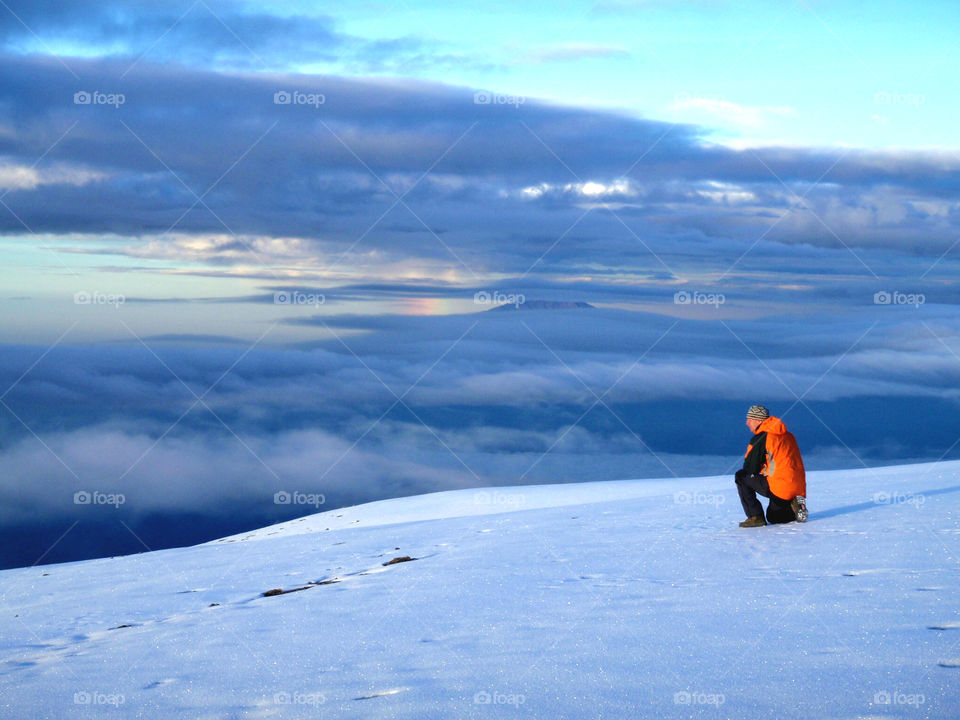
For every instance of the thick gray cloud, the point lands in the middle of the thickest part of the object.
(504, 365)
(484, 187)
(212, 33)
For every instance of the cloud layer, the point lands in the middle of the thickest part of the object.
(196, 164)
(420, 173)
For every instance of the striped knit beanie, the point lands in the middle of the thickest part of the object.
(758, 412)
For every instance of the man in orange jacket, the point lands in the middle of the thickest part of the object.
(773, 468)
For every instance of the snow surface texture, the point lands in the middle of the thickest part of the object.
(627, 599)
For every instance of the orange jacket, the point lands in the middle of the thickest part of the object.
(783, 465)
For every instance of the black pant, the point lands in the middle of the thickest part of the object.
(749, 486)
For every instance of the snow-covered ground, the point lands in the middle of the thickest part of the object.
(627, 599)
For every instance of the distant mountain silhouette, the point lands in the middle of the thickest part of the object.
(544, 305)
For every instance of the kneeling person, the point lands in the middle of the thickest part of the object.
(772, 468)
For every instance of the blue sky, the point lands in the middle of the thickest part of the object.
(247, 248)
(803, 73)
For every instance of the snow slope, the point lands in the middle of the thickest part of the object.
(627, 599)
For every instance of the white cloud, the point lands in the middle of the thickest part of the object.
(562, 52)
(587, 189)
(751, 116)
(15, 176)
(727, 193)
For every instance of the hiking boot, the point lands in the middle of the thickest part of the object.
(799, 507)
(755, 521)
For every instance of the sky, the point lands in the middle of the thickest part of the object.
(338, 250)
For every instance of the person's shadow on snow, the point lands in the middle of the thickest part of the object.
(847, 509)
